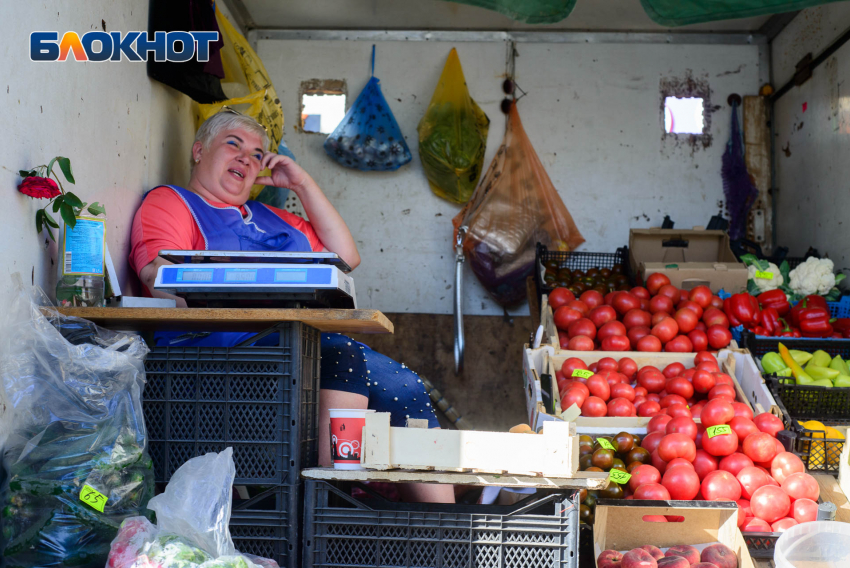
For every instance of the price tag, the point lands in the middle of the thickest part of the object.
(92, 497)
(583, 373)
(718, 430)
(764, 275)
(605, 443)
(672, 266)
(619, 476)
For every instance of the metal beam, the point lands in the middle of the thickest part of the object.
(774, 26)
(241, 14)
(678, 38)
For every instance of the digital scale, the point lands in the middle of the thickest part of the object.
(256, 279)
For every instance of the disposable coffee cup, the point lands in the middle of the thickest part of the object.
(347, 437)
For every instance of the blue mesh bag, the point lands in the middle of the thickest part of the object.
(368, 138)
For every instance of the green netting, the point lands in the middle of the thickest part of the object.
(527, 11)
(674, 13)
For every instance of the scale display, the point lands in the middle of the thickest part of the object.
(223, 275)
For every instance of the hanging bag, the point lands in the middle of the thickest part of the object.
(368, 138)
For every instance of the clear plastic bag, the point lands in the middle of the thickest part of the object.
(453, 136)
(74, 463)
(192, 517)
(515, 207)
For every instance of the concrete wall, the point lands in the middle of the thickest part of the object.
(812, 137)
(593, 113)
(121, 131)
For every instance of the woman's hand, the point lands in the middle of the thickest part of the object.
(285, 172)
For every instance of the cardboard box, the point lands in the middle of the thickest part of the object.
(688, 257)
(622, 527)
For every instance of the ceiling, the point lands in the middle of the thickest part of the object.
(588, 15)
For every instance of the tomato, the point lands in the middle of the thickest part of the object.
(759, 447)
(571, 365)
(560, 297)
(742, 427)
(620, 407)
(580, 307)
(718, 336)
(693, 306)
(785, 464)
(726, 392)
(658, 424)
(717, 411)
(704, 357)
(673, 370)
(704, 463)
(635, 334)
(783, 524)
(642, 475)
(611, 329)
(565, 315)
(599, 387)
(686, 320)
(665, 330)
(661, 304)
(720, 485)
(770, 503)
(659, 463)
(701, 295)
(607, 364)
(581, 343)
(698, 339)
(679, 461)
(751, 478)
(753, 524)
(637, 318)
(616, 343)
(650, 344)
(713, 316)
(681, 482)
(742, 410)
(677, 410)
(648, 408)
(769, 423)
(652, 381)
(722, 445)
(658, 317)
(625, 301)
(801, 486)
(655, 281)
(676, 446)
(639, 399)
(680, 386)
(572, 396)
(672, 399)
(710, 366)
(594, 407)
(652, 492)
(628, 367)
(600, 315)
(641, 391)
(623, 391)
(563, 339)
(682, 425)
(582, 326)
(671, 292)
(804, 510)
(609, 298)
(592, 298)
(679, 344)
(654, 397)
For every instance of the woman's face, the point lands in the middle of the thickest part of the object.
(226, 170)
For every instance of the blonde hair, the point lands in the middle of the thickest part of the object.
(228, 120)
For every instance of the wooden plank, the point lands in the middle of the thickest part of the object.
(376, 441)
(581, 480)
(533, 304)
(830, 491)
(232, 319)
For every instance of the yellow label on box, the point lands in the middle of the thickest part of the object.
(718, 430)
(583, 373)
(619, 476)
(764, 275)
(605, 443)
(92, 497)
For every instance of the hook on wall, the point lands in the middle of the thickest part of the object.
(734, 99)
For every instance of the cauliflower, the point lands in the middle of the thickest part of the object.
(765, 284)
(814, 276)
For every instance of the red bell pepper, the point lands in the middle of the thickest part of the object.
(727, 309)
(769, 319)
(775, 299)
(745, 309)
(814, 322)
(807, 302)
(788, 331)
(842, 326)
(760, 330)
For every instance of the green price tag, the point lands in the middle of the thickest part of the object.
(583, 373)
(672, 266)
(619, 476)
(764, 275)
(605, 443)
(718, 430)
(92, 497)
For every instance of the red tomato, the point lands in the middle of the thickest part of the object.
(658, 317)
(704, 357)
(639, 399)
(655, 281)
(652, 492)
(720, 485)
(770, 503)
(682, 425)
(716, 302)
(676, 446)
(599, 387)
(703, 382)
(611, 329)
(785, 464)
(581, 343)
(609, 298)
(693, 306)
(560, 297)
(783, 524)
(571, 365)
(671, 292)
(640, 293)
(579, 306)
(616, 343)
(658, 424)
(641, 391)
(665, 330)
(563, 339)
(654, 397)
(592, 298)
(643, 474)
(803, 510)
(699, 339)
(582, 326)
(671, 399)
(759, 447)
(659, 463)
(635, 334)
(637, 318)
(683, 295)
(704, 463)
(648, 408)
(565, 315)
(681, 482)
(623, 391)
(673, 370)
(680, 386)
(652, 440)
(769, 423)
(620, 407)
(753, 524)
(686, 320)
(628, 367)
(722, 378)
(679, 461)
(594, 407)
(742, 427)
(576, 384)
(644, 305)
(722, 445)
(701, 295)
(661, 304)
(572, 396)
(600, 315)
(607, 364)
(713, 316)
(718, 336)
(751, 478)
(650, 344)
(723, 391)
(625, 301)
(801, 486)
(717, 411)
(679, 344)
(696, 409)
(677, 410)
(743, 410)
(652, 381)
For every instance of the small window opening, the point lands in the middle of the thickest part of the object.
(684, 116)
(322, 104)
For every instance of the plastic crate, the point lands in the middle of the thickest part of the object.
(340, 530)
(761, 545)
(578, 260)
(262, 401)
(759, 345)
(267, 534)
(806, 402)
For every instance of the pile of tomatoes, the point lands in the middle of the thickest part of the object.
(618, 388)
(655, 318)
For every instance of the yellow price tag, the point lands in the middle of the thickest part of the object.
(764, 275)
(605, 443)
(583, 373)
(718, 430)
(619, 476)
(92, 497)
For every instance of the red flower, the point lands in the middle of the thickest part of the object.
(39, 187)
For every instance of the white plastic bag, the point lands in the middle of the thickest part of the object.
(192, 517)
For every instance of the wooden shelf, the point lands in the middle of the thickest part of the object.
(232, 319)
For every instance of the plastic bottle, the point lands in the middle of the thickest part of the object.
(80, 278)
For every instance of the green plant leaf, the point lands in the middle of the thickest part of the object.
(762, 264)
(65, 165)
(50, 220)
(39, 221)
(839, 278)
(785, 271)
(833, 295)
(67, 213)
(96, 209)
(752, 289)
(49, 167)
(73, 200)
(26, 173)
(58, 203)
(748, 259)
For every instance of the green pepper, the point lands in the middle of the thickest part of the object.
(839, 365)
(799, 374)
(786, 372)
(772, 363)
(816, 372)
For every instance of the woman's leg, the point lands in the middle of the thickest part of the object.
(333, 399)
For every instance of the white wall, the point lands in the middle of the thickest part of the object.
(813, 137)
(122, 131)
(593, 115)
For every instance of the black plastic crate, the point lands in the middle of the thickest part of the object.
(267, 534)
(578, 260)
(262, 401)
(761, 545)
(759, 345)
(806, 402)
(340, 530)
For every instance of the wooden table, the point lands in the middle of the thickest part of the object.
(232, 319)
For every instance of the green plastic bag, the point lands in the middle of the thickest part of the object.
(675, 13)
(453, 136)
(527, 11)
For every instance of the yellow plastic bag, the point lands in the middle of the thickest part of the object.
(453, 136)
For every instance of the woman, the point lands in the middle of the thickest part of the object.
(213, 213)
